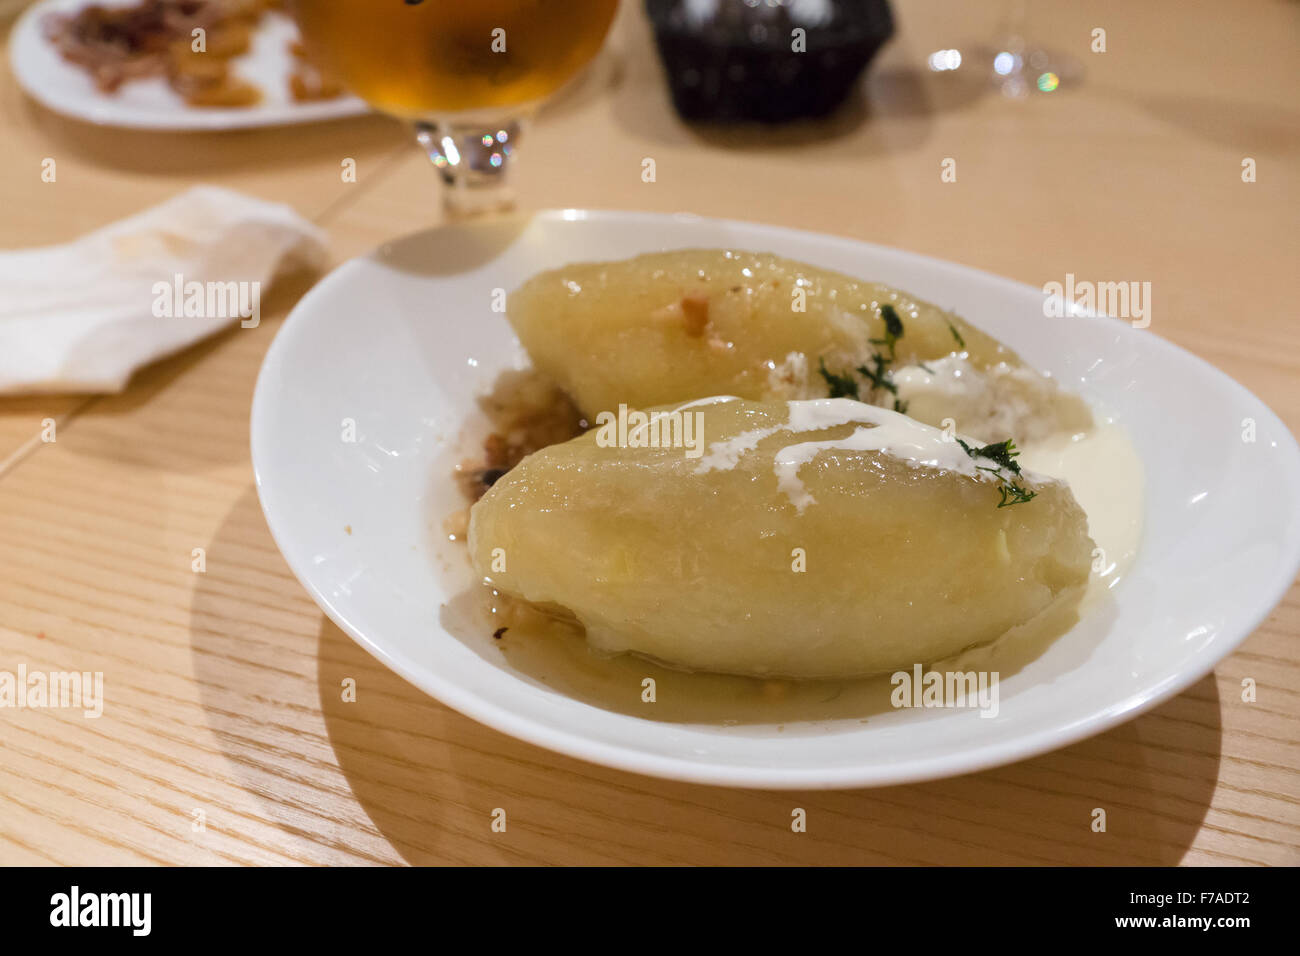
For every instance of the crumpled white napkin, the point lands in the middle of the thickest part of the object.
(81, 317)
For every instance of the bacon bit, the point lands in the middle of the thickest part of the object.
(528, 412)
(695, 313)
(496, 635)
(495, 453)
(469, 478)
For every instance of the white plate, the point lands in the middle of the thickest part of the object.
(402, 340)
(150, 103)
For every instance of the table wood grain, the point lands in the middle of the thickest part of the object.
(223, 703)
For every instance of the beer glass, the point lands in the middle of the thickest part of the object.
(467, 74)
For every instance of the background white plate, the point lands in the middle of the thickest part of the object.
(150, 103)
(402, 340)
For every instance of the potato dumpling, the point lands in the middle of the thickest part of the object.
(823, 538)
(672, 326)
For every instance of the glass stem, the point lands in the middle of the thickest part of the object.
(474, 158)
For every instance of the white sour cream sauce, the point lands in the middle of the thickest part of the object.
(890, 432)
(1105, 473)
(1100, 465)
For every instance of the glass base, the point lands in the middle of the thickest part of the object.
(474, 158)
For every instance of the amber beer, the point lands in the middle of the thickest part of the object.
(433, 57)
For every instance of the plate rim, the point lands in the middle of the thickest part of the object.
(994, 754)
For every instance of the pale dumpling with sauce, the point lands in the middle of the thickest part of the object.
(804, 539)
(680, 325)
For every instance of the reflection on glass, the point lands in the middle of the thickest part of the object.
(1016, 66)
(1021, 67)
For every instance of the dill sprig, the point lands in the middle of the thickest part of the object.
(1014, 494)
(961, 343)
(893, 329)
(878, 373)
(841, 386)
(1003, 454)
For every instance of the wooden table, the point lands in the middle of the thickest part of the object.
(222, 702)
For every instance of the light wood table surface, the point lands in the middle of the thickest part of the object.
(222, 686)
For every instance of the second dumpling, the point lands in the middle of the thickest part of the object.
(823, 538)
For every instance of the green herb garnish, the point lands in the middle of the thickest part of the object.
(961, 343)
(893, 324)
(841, 386)
(878, 375)
(893, 329)
(1003, 454)
(1014, 494)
